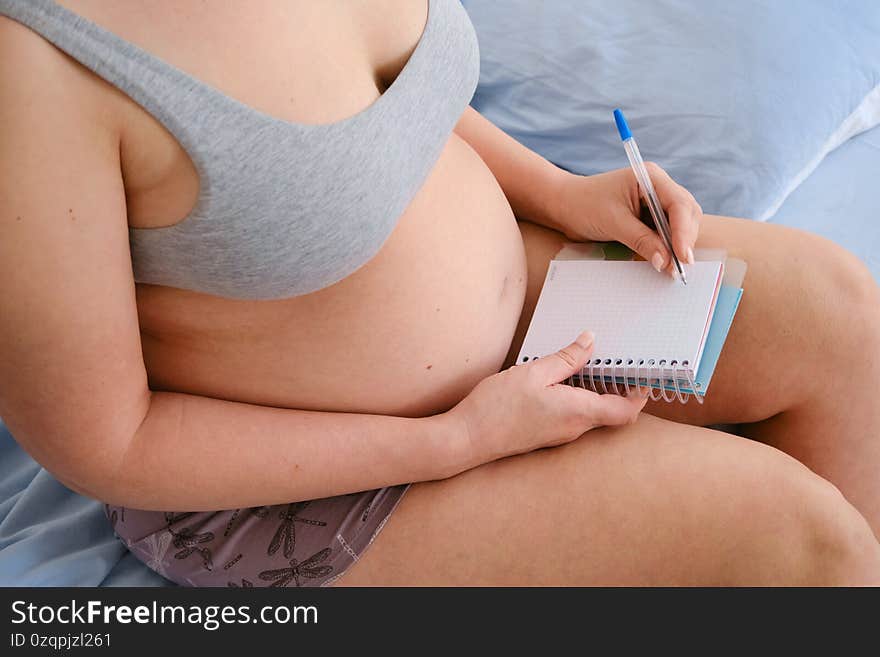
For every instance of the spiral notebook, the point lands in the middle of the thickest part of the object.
(650, 330)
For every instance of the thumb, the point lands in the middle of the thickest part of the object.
(565, 362)
(644, 241)
(611, 410)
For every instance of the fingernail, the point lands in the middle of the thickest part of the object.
(658, 261)
(690, 256)
(585, 339)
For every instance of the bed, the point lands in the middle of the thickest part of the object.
(762, 110)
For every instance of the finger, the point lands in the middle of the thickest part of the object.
(644, 241)
(684, 224)
(682, 210)
(596, 410)
(612, 410)
(565, 362)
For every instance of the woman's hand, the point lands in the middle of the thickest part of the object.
(607, 207)
(525, 407)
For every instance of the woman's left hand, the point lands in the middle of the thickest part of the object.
(606, 207)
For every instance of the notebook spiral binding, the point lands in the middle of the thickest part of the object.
(602, 376)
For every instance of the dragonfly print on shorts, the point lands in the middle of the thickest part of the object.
(261, 512)
(172, 518)
(154, 548)
(299, 570)
(188, 541)
(366, 513)
(286, 533)
(231, 522)
(112, 516)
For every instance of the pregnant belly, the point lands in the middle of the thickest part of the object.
(409, 333)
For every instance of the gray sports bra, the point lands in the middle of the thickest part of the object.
(283, 209)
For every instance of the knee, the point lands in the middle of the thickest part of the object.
(849, 294)
(850, 277)
(837, 305)
(824, 539)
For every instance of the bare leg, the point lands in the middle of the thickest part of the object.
(799, 366)
(664, 503)
(801, 362)
(651, 503)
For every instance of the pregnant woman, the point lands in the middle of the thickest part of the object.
(262, 276)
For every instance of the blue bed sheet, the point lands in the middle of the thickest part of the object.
(839, 200)
(50, 536)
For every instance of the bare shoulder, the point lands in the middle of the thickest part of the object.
(24, 53)
(39, 83)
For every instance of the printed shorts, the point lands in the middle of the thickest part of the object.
(308, 543)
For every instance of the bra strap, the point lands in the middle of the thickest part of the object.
(167, 93)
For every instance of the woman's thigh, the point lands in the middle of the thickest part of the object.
(807, 304)
(650, 503)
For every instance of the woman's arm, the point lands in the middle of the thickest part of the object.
(196, 453)
(601, 207)
(73, 386)
(531, 183)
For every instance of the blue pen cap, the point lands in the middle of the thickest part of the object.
(622, 127)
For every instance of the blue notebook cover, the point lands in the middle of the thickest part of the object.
(725, 309)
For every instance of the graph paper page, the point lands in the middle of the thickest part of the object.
(634, 312)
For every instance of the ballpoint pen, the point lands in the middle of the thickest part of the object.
(647, 188)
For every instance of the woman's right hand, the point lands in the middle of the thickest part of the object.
(525, 407)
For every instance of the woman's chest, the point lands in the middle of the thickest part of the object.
(309, 63)
(233, 198)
